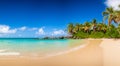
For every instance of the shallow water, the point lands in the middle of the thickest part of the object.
(35, 47)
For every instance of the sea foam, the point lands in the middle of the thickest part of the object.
(4, 53)
(9, 53)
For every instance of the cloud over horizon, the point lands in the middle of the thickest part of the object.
(4, 29)
(7, 31)
(113, 3)
(40, 31)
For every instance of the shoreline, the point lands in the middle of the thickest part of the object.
(97, 52)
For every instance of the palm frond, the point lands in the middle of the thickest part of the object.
(110, 10)
(105, 13)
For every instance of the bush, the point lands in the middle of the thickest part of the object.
(96, 35)
(81, 34)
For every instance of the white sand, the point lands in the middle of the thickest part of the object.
(111, 52)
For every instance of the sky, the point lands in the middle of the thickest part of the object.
(40, 18)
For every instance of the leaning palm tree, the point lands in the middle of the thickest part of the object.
(111, 15)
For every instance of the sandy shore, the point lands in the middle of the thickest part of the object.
(97, 52)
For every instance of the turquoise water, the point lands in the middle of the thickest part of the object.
(34, 46)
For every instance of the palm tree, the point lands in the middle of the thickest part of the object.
(87, 27)
(94, 26)
(99, 26)
(70, 28)
(81, 26)
(76, 28)
(111, 15)
(104, 28)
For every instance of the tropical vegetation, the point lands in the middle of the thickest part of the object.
(95, 29)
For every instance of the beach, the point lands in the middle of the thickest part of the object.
(95, 52)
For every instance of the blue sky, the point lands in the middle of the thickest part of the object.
(38, 18)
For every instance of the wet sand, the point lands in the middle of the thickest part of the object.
(98, 52)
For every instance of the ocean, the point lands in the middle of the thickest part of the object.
(35, 47)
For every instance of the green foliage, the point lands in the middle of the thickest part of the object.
(112, 33)
(96, 35)
(81, 34)
(94, 29)
(101, 31)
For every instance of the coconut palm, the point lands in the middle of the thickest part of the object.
(111, 15)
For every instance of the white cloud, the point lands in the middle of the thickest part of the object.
(22, 28)
(40, 31)
(4, 29)
(58, 32)
(113, 3)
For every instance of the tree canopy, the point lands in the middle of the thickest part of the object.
(94, 29)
